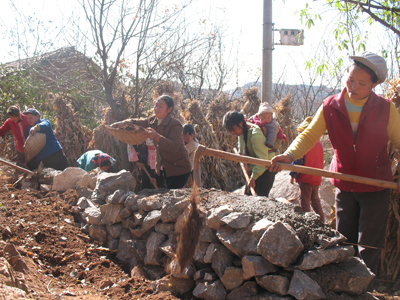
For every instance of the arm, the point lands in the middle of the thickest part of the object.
(307, 139)
(5, 127)
(303, 143)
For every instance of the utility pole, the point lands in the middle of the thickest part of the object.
(266, 79)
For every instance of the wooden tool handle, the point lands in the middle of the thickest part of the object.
(202, 150)
(246, 175)
(148, 174)
(16, 167)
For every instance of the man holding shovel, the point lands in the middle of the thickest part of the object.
(360, 124)
(18, 124)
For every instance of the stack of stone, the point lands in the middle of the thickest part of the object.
(248, 248)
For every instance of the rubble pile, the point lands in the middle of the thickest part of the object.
(248, 247)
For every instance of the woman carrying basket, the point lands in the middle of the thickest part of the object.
(166, 132)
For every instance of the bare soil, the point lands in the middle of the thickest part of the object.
(64, 263)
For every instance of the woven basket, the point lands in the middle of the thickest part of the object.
(33, 144)
(133, 136)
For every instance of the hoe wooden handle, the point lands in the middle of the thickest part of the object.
(202, 150)
(246, 175)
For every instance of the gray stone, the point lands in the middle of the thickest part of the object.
(176, 271)
(84, 192)
(176, 286)
(112, 243)
(260, 226)
(207, 235)
(84, 203)
(240, 241)
(209, 253)
(210, 291)
(111, 214)
(355, 278)
(200, 274)
(221, 259)
(248, 290)
(138, 217)
(164, 228)
(200, 252)
(303, 287)
(171, 211)
(129, 223)
(138, 232)
(280, 244)
(269, 296)
(92, 215)
(131, 249)
(274, 284)
(256, 266)
(214, 217)
(210, 276)
(327, 242)
(155, 272)
(118, 197)
(125, 213)
(168, 250)
(149, 203)
(151, 219)
(237, 220)
(232, 278)
(131, 202)
(317, 258)
(107, 183)
(98, 233)
(114, 230)
(154, 254)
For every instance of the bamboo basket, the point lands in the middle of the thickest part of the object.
(132, 134)
(33, 145)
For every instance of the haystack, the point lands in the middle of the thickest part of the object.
(72, 135)
(390, 259)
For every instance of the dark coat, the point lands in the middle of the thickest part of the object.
(174, 155)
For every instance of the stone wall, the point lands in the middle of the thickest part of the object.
(248, 248)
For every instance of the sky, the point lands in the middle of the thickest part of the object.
(243, 21)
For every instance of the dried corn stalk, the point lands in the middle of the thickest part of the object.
(390, 258)
(72, 135)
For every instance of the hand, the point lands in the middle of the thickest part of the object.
(291, 180)
(32, 131)
(152, 134)
(153, 181)
(251, 183)
(285, 158)
(140, 164)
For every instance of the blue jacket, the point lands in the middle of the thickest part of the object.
(52, 145)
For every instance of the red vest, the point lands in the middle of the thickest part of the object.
(368, 156)
(315, 159)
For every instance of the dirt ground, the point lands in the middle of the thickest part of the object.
(63, 262)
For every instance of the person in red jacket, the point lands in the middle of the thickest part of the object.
(309, 184)
(18, 124)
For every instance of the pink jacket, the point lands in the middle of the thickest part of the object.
(315, 159)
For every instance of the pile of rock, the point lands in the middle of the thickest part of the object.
(248, 248)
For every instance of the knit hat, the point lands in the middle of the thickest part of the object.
(373, 61)
(265, 108)
(32, 111)
(304, 124)
(13, 110)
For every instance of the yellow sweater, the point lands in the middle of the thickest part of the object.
(307, 139)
